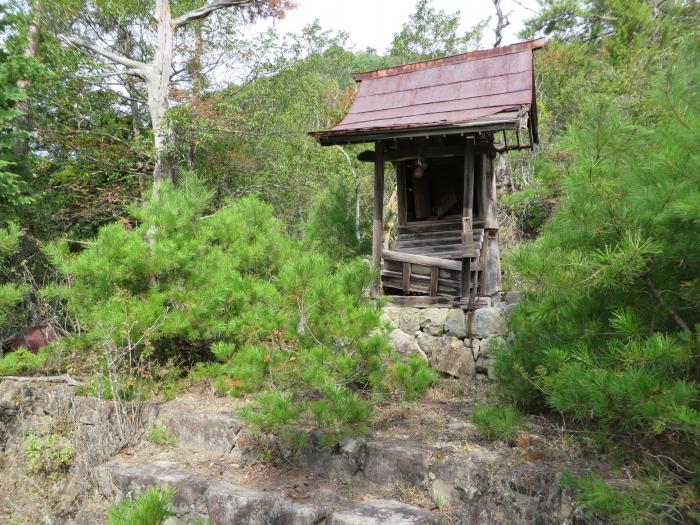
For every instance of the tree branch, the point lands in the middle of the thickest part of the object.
(134, 66)
(657, 295)
(205, 11)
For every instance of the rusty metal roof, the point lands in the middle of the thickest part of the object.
(482, 89)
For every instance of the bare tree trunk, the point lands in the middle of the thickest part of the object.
(156, 74)
(501, 22)
(22, 123)
(158, 85)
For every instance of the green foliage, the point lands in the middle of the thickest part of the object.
(497, 423)
(149, 507)
(11, 293)
(608, 333)
(280, 319)
(13, 67)
(654, 499)
(46, 456)
(160, 435)
(412, 378)
(23, 361)
(431, 33)
(332, 223)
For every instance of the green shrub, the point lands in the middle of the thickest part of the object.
(160, 435)
(654, 499)
(332, 227)
(149, 507)
(46, 456)
(283, 322)
(23, 361)
(497, 423)
(412, 378)
(608, 333)
(11, 293)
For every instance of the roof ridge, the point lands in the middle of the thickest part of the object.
(452, 59)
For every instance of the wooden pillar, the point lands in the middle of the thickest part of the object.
(490, 282)
(467, 215)
(401, 193)
(378, 222)
(487, 193)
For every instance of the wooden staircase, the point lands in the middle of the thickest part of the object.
(427, 259)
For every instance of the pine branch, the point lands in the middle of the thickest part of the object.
(657, 294)
(205, 11)
(133, 66)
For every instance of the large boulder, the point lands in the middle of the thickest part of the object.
(488, 322)
(405, 345)
(117, 479)
(432, 320)
(452, 357)
(429, 343)
(385, 462)
(212, 431)
(456, 323)
(228, 503)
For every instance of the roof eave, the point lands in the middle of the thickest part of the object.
(329, 138)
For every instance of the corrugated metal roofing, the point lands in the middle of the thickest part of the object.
(450, 91)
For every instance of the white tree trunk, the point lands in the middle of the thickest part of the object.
(156, 74)
(22, 122)
(157, 85)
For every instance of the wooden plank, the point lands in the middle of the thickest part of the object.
(449, 241)
(443, 225)
(492, 265)
(406, 277)
(422, 287)
(421, 259)
(438, 248)
(421, 301)
(378, 222)
(419, 278)
(401, 193)
(456, 234)
(434, 272)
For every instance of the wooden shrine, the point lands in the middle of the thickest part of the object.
(441, 124)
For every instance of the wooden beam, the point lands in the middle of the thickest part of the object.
(431, 152)
(421, 301)
(434, 275)
(378, 222)
(467, 216)
(406, 277)
(423, 260)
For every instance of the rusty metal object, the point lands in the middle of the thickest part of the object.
(452, 91)
(35, 338)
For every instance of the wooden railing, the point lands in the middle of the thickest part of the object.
(423, 274)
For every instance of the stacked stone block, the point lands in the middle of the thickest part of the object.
(457, 343)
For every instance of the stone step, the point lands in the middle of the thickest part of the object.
(210, 431)
(384, 512)
(225, 503)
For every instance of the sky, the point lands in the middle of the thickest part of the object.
(373, 23)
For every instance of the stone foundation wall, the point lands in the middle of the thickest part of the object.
(457, 343)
